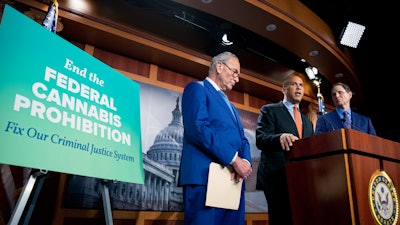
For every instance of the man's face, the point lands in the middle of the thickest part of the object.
(229, 74)
(295, 90)
(340, 97)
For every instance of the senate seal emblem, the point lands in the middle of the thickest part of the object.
(383, 199)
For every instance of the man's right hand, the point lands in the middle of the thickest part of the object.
(287, 140)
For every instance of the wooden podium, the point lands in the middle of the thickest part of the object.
(329, 176)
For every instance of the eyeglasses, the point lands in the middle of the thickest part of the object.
(234, 72)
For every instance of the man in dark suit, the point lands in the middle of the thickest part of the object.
(341, 96)
(213, 132)
(275, 134)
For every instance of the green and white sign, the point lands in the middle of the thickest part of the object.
(63, 110)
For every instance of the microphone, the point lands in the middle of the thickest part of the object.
(354, 127)
(351, 125)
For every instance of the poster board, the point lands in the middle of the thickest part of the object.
(62, 109)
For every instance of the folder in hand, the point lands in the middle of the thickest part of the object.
(222, 192)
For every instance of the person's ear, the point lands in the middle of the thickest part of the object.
(218, 67)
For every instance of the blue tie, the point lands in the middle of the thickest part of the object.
(347, 120)
(226, 100)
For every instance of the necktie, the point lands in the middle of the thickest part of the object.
(226, 100)
(347, 120)
(297, 119)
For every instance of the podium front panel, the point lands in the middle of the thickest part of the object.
(318, 191)
(329, 176)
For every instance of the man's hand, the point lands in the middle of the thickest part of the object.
(242, 169)
(287, 141)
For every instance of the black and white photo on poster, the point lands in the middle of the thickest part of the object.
(162, 135)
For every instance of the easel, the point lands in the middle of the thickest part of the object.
(106, 202)
(31, 185)
(24, 197)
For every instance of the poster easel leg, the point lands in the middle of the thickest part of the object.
(24, 197)
(106, 202)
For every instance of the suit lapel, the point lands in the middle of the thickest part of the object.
(289, 118)
(218, 97)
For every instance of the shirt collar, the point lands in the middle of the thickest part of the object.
(288, 104)
(341, 111)
(213, 84)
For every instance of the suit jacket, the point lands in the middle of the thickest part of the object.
(331, 121)
(275, 119)
(211, 133)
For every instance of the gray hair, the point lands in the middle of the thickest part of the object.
(222, 57)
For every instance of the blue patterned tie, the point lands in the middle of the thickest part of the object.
(226, 100)
(347, 120)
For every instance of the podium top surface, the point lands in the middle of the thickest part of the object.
(345, 141)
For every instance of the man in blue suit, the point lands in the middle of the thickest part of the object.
(212, 133)
(341, 96)
(275, 134)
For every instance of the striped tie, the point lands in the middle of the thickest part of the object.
(347, 120)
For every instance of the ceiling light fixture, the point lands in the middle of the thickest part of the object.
(271, 27)
(313, 53)
(225, 40)
(338, 75)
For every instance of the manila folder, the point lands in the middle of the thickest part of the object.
(222, 192)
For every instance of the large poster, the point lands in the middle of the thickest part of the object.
(162, 136)
(63, 110)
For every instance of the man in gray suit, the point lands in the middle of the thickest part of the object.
(275, 134)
